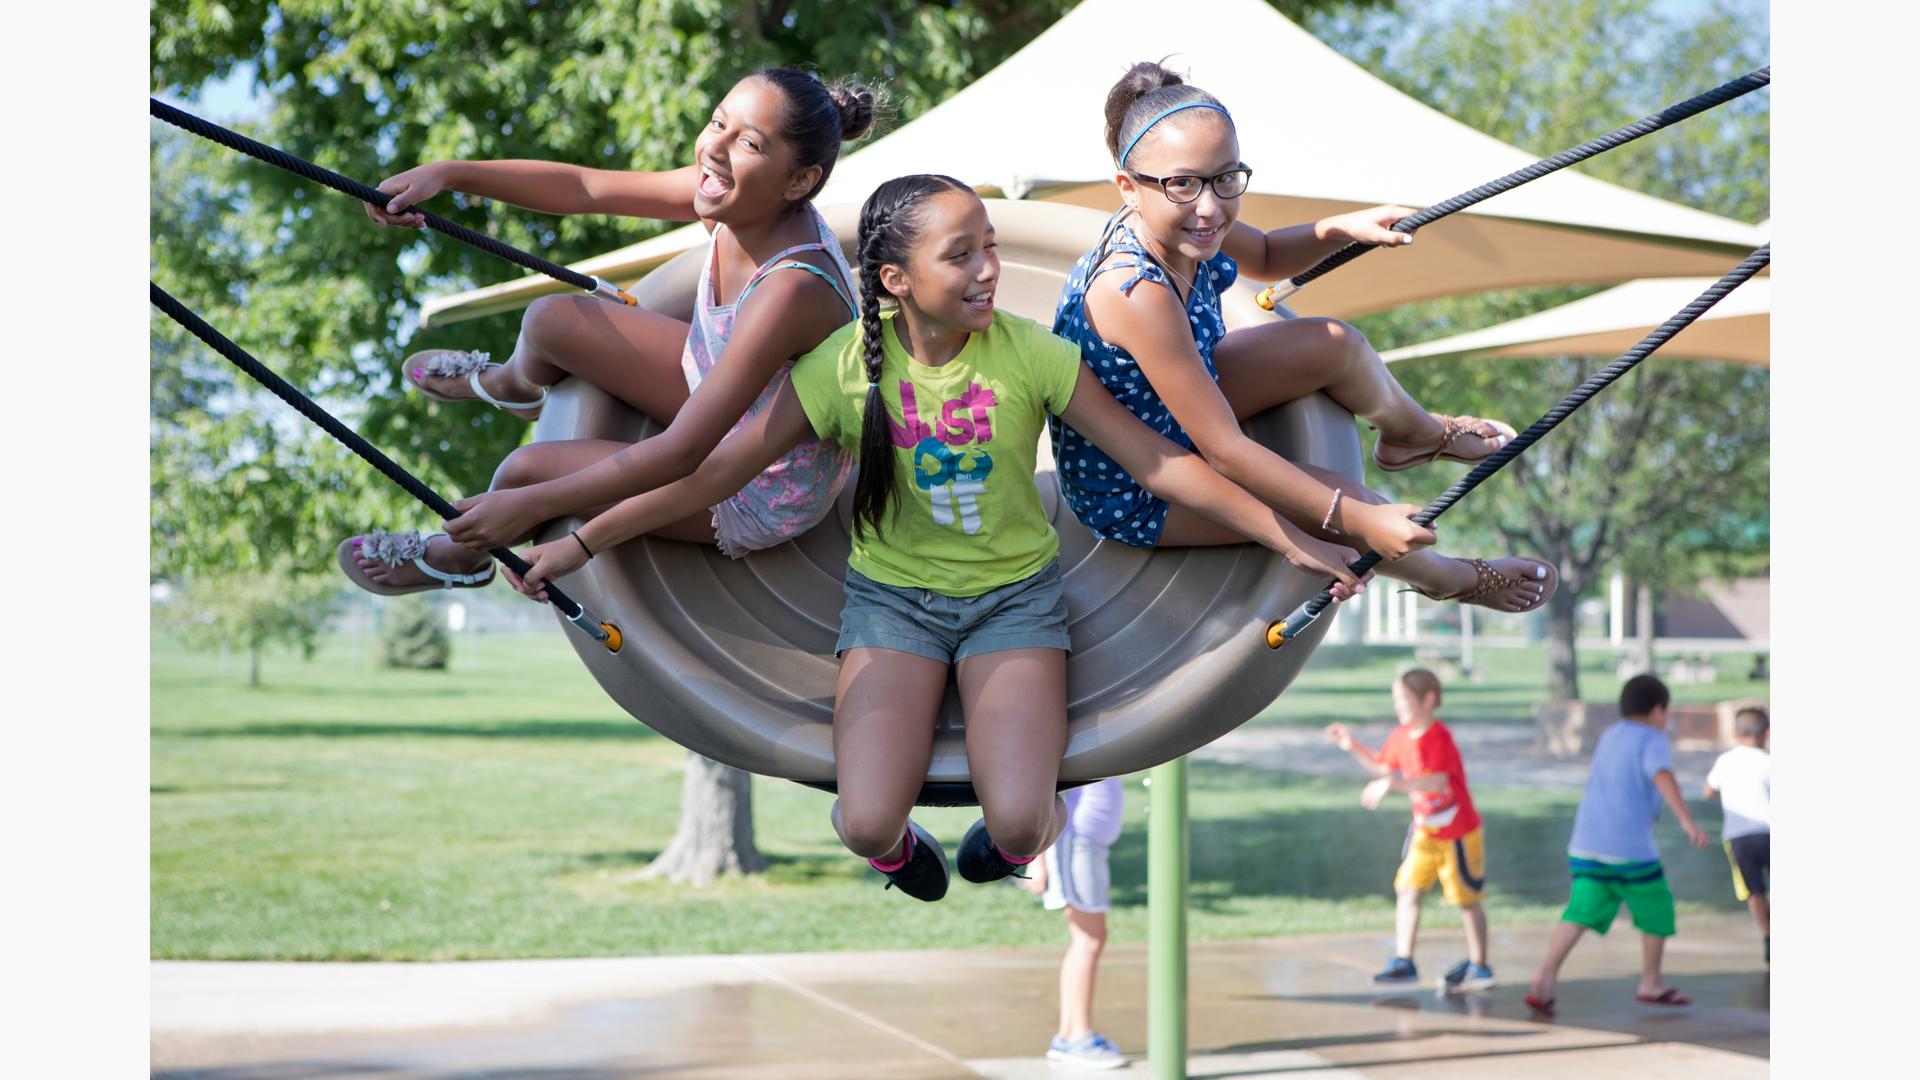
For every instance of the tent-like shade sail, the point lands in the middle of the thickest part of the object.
(1611, 322)
(1321, 133)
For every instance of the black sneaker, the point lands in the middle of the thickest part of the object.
(1398, 972)
(979, 859)
(924, 877)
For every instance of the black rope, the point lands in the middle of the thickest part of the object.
(235, 141)
(1672, 114)
(286, 392)
(1599, 381)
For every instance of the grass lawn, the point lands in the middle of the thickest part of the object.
(343, 811)
(1350, 684)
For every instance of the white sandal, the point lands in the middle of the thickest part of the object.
(394, 549)
(457, 362)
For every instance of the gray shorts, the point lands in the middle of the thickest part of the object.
(1077, 874)
(1028, 614)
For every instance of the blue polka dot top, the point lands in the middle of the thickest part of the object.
(1101, 495)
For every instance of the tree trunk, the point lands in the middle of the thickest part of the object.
(716, 827)
(1563, 665)
(1642, 654)
(253, 665)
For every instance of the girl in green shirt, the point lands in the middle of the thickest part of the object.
(954, 564)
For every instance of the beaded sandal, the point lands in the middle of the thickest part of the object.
(394, 549)
(1490, 582)
(1452, 428)
(457, 362)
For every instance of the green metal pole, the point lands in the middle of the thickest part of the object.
(1167, 920)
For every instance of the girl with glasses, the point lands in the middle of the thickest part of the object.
(1166, 354)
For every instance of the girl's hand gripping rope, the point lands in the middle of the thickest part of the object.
(494, 519)
(1373, 226)
(551, 560)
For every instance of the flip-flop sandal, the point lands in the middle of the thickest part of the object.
(1543, 1006)
(1669, 996)
(1452, 429)
(457, 362)
(1489, 582)
(394, 549)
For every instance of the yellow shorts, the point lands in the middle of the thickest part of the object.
(1460, 866)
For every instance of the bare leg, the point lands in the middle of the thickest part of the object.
(1274, 363)
(631, 353)
(530, 464)
(1547, 979)
(883, 715)
(1757, 904)
(1475, 916)
(1016, 707)
(1406, 921)
(1086, 940)
(1652, 948)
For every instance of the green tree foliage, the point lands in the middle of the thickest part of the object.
(250, 612)
(413, 634)
(1666, 474)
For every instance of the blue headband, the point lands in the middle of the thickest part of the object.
(1163, 115)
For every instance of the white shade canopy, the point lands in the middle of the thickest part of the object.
(1611, 322)
(1321, 133)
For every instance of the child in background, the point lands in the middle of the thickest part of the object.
(1444, 842)
(1073, 876)
(1612, 855)
(1742, 779)
(955, 568)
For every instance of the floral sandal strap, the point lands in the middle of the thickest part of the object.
(411, 546)
(471, 363)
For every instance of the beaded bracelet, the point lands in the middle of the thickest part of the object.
(1326, 523)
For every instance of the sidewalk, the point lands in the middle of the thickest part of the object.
(1264, 1008)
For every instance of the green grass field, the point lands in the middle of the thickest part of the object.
(343, 811)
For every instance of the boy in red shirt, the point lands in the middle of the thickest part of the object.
(1444, 843)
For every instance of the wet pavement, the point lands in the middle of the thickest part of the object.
(1263, 1008)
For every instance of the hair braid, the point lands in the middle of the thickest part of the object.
(888, 231)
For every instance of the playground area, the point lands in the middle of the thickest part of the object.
(1264, 1008)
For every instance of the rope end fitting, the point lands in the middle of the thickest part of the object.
(613, 640)
(605, 633)
(608, 291)
(1273, 294)
(1277, 634)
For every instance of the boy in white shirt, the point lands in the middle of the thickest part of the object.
(1742, 779)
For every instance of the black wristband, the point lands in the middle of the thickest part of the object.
(583, 544)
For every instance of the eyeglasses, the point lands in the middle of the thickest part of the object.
(1184, 189)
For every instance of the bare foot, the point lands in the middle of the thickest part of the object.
(442, 554)
(1456, 438)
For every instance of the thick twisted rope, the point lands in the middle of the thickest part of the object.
(1285, 630)
(1670, 115)
(408, 482)
(235, 141)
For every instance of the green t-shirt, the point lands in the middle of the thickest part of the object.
(965, 516)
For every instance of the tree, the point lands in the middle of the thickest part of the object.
(298, 276)
(250, 611)
(1665, 475)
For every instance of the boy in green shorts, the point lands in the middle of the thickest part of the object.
(1612, 854)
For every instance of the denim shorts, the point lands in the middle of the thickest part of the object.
(1028, 614)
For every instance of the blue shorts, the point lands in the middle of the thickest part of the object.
(1028, 614)
(1132, 516)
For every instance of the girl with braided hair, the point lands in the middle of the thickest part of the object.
(768, 149)
(954, 564)
(1166, 354)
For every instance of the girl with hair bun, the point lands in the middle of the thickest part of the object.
(954, 564)
(1166, 354)
(769, 148)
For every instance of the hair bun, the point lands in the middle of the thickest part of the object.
(1140, 80)
(856, 104)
